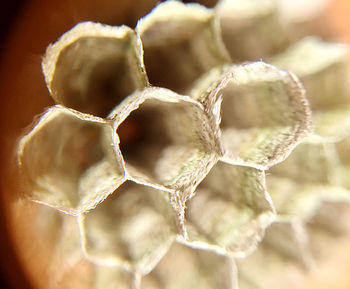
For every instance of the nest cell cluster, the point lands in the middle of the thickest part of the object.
(161, 137)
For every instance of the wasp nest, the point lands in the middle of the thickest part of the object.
(160, 140)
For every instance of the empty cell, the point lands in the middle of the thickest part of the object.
(180, 42)
(93, 67)
(165, 137)
(263, 111)
(68, 162)
(230, 209)
(133, 228)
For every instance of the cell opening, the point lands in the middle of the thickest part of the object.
(131, 226)
(64, 149)
(162, 140)
(183, 45)
(177, 59)
(143, 137)
(93, 75)
(228, 203)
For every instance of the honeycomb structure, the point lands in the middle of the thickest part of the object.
(169, 162)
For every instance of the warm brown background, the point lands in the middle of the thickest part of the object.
(23, 94)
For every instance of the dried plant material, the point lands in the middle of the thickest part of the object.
(230, 210)
(132, 229)
(92, 67)
(264, 112)
(175, 143)
(251, 29)
(323, 69)
(281, 260)
(182, 40)
(185, 268)
(67, 161)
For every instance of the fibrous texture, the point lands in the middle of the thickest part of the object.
(182, 165)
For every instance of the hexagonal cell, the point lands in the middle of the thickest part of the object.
(308, 186)
(185, 268)
(312, 177)
(67, 161)
(322, 67)
(319, 203)
(92, 67)
(230, 210)
(251, 29)
(133, 228)
(264, 112)
(324, 210)
(67, 266)
(183, 40)
(165, 139)
(281, 261)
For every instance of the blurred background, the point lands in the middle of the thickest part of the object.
(27, 27)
